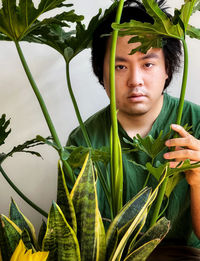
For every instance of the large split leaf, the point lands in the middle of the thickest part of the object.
(64, 200)
(89, 222)
(16, 21)
(60, 239)
(151, 35)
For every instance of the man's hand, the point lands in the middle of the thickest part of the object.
(186, 147)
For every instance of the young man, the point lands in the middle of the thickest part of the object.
(144, 108)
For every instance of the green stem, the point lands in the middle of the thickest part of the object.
(159, 201)
(84, 131)
(116, 173)
(178, 121)
(44, 110)
(42, 212)
(78, 115)
(184, 83)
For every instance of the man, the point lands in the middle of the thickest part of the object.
(144, 108)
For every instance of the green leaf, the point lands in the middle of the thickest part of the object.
(143, 252)
(163, 26)
(172, 182)
(27, 240)
(3, 126)
(41, 234)
(12, 234)
(193, 32)
(186, 11)
(64, 200)
(22, 222)
(152, 147)
(126, 215)
(85, 202)
(78, 154)
(16, 21)
(159, 231)
(196, 6)
(4, 254)
(60, 238)
(25, 147)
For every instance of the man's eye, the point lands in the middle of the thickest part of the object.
(148, 65)
(120, 67)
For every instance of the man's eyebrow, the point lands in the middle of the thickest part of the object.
(150, 55)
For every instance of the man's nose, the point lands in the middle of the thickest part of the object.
(135, 77)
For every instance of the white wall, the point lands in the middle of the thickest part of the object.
(36, 177)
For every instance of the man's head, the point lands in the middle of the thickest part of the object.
(133, 9)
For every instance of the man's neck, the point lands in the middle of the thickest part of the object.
(140, 124)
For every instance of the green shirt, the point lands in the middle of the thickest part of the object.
(178, 210)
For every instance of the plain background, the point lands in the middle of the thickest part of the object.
(37, 178)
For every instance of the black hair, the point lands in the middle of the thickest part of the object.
(133, 9)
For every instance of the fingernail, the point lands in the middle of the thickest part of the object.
(166, 155)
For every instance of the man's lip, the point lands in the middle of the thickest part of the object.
(136, 95)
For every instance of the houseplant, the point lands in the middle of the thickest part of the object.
(39, 32)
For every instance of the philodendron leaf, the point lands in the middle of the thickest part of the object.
(12, 234)
(193, 32)
(60, 239)
(3, 126)
(84, 197)
(22, 222)
(126, 215)
(152, 147)
(16, 21)
(151, 35)
(64, 200)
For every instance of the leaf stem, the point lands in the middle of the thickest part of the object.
(33, 205)
(184, 83)
(44, 110)
(84, 131)
(116, 169)
(178, 121)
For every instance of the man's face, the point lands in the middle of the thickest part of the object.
(140, 78)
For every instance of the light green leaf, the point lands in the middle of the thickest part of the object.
(186, 11)
(64, 200)
(193, 32)
(159, 231)
(127, 214)
(85, 202)
(143, 252)
(60, 238)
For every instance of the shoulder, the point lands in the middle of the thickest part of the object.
(95, 126)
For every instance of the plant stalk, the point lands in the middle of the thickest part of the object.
(178, 121)
(116, 168)
(84, 131)
(33, 205)
(44, 110)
